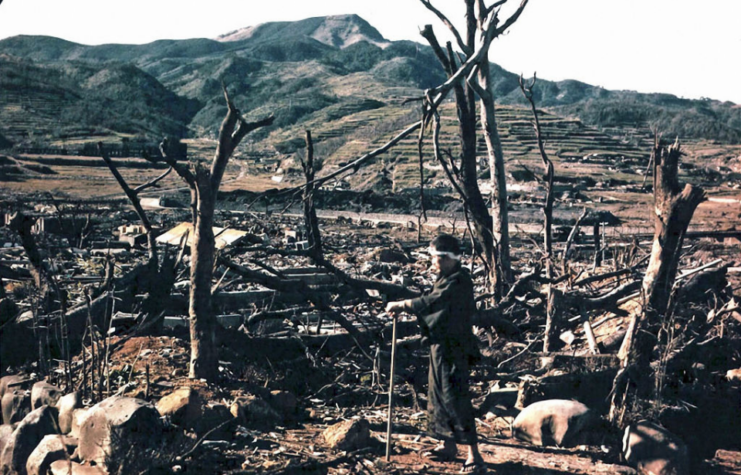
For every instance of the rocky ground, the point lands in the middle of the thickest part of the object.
(289, 399)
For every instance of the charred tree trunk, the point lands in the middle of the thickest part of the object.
(597, 245)
(499, 213)
(312, 223)
(159, 277)
(673, 208)
(491, 230)
(203, 346)
(468, 167)
(552, 324)
(204, 185)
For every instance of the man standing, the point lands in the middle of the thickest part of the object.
(444, 317)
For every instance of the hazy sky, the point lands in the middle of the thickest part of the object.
(688, 48)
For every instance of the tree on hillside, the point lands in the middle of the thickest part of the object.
(491, 229)
(204, 186)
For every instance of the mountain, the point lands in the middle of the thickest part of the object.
(75, 99)
(333, 73)
(339, 31)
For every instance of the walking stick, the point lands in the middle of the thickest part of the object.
(391, 390)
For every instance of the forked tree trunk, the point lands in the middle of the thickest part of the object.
(204, 185)
(673, 208)
(465, 103)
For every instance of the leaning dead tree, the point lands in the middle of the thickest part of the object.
(204, 185)
(673, 208)
(157, 279)
(472, 63)
(42, 275)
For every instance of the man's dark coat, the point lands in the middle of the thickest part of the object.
(444, 316)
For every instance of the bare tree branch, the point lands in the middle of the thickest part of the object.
(511, 20)
(136, 203)
(428, 34)
(229, 138)
(463, 46)
(152, 183)
(181, 170)
(527, 90)
(438, 156)
(355, 165)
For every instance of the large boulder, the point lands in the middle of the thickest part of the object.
(67, 405)
(64, 467)
(44, 394)
(31, 430)
(12, 381)
(654, 450)
(5, 432)
(553, 422)
(348, 435)
(52, 447)
(78, 420)
(183, 406)
(16, 404)
(117, 429)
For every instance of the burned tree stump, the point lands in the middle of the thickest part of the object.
(673, 207)
(312, 223)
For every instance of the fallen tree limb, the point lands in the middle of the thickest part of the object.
(293, 286)
(610, 275)
(392, 291)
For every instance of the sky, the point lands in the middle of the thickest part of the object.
(688, 48)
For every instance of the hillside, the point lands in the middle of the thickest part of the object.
(319, 73)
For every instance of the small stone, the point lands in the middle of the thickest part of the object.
(734, 374)
(5, 432)
(284, 402)
(11, 382)
(252, 411)
(78, 419)
(64, 467)
(183, 406)
(348, 435)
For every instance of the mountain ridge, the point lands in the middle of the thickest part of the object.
(305, 71)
